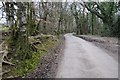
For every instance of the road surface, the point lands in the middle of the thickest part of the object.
(82, 59)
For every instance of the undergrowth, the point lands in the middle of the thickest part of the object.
(27, 65)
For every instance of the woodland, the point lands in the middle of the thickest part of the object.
(32, 28)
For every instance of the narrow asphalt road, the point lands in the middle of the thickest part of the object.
(82, 59)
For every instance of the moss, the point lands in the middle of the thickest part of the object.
(27, 65)
(4, 28)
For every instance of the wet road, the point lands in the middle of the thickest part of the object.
(82, 59)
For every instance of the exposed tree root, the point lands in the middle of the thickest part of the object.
(5, 72)
(6, 62)
(3, 56)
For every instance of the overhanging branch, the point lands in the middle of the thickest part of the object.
(92, 10)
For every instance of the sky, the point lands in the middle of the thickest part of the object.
(3, 20)
(57, 0)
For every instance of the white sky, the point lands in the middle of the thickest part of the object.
(58, 0)
(3, 20)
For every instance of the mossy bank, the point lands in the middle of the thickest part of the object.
(43, 52)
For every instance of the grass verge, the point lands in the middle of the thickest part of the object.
(23, 67)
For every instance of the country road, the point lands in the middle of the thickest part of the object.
(82, 59)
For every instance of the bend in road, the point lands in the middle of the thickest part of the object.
(82, 59)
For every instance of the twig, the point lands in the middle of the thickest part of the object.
(6, 62)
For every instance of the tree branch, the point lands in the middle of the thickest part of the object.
(92, 10)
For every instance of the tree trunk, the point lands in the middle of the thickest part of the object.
(92, 24)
